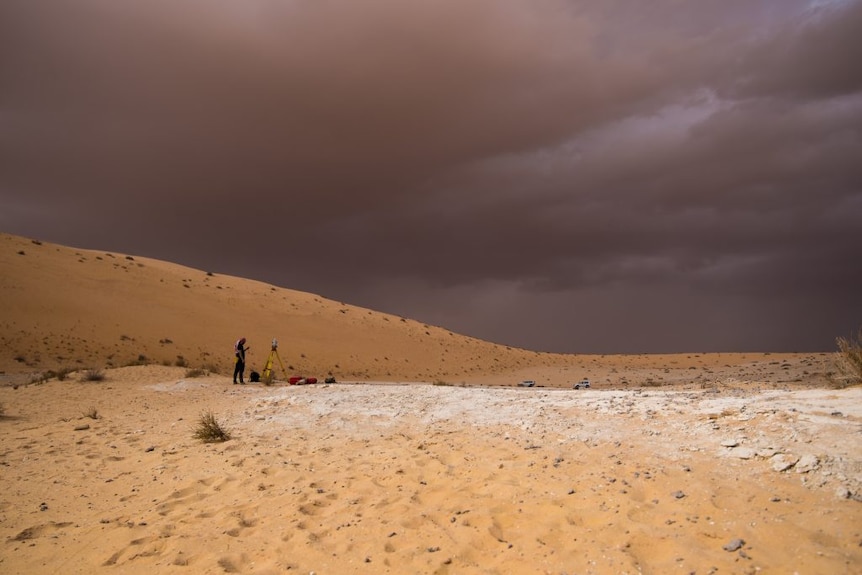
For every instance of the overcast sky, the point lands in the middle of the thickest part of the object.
(602, 176)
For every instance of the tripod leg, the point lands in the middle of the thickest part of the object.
(267, 370)
(284, 371)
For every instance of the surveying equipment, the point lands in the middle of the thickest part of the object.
(267, 375)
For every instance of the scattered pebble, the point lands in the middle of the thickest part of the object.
(678, 494)
(734, 545)
(807, 463)
(743, 453)
(782, 462)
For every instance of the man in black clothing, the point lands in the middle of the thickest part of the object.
(239, 369)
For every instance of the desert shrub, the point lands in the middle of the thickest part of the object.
(92, 413)
(195, 372)
(94, 375)
(209, 430)
(2, 410)
(181, 362)
(63, 373)
(650, 382)
(42, 377)
(212, 368)
(848, 361)
(141, 360)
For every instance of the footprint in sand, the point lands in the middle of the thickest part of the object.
(40, 530)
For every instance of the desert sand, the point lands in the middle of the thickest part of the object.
(424, 457)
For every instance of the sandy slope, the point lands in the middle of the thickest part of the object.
(389, 478)
(64, 308)
(667, 460)
(69, 308)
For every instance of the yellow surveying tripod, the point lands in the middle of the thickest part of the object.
(267, 375)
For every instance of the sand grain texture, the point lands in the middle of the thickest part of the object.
(361, 478)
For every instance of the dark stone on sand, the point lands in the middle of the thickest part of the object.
(734, 545)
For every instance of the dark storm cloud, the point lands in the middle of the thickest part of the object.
(518, 171)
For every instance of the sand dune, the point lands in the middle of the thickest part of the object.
(425, 457)
(66, 308)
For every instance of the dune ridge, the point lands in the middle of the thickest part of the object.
(67, 308)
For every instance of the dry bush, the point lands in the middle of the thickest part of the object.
(92, 413)
(209, 430)
(211, 368)
(195, 372)
(93, 375)
(2, 410)
(848, 361)
(42, 377)
(650, 382)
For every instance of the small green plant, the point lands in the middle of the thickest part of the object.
(92, 413)
(848, 361)
(94, 375)
(209, 430)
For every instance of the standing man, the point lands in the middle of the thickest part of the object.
(239, 369)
